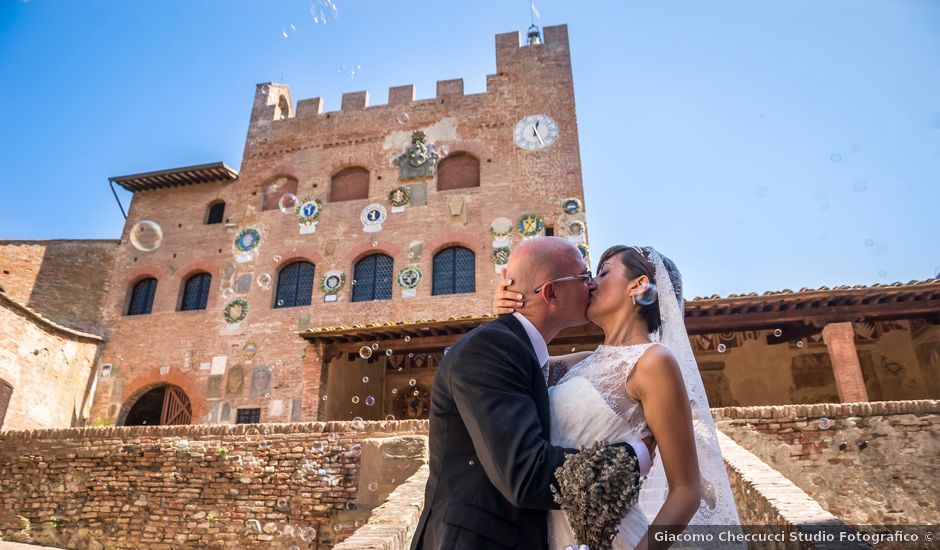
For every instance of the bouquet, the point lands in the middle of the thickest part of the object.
(597, 487)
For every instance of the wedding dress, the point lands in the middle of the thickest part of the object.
(587, 405)
(590, 403)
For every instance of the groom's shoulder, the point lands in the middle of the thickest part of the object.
(493, 333)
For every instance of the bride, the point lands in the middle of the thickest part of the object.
(643, 381)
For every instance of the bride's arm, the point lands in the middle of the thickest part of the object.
(506, 301)
(657, 381)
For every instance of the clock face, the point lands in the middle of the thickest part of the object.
(535, 132)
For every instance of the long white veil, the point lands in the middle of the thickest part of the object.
(717, 506)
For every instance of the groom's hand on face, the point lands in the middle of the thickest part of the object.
(505, 300)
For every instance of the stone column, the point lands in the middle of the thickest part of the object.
(840, 339)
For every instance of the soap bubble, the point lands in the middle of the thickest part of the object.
(722, 348)
(390, 416)
(287, 204)
(407, 338)
(835, 157)
(412, 382)
(389, 352)
(373, 486)
(355, 399)
(869, 242)
(443, 151)
(375, 345)
(277, 258)
(824, 423)
(307, 534)
(365, 352)
(146, 236)
(648, 296)
(252, 435)
(403, 118)
(370, 401)
(365, 379)
(860, 186)
(778, 332)
(264, 281)
(799, 343)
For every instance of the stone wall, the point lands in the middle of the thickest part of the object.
(393, 524)
(49, 367)
(250, 485)
(62, 280)
(867, 463)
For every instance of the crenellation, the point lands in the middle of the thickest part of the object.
(401, 95)
(556, 36)
(450, 87)
(309, 107)
(507, 44)
(355, 101)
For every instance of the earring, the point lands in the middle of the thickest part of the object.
(633, 296)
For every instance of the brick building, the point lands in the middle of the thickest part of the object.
(325, 279)
(350, 252)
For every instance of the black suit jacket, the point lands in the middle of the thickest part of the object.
(491, 463)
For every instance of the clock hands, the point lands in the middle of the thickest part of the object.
(535, 130)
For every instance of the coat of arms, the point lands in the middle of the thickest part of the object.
(419, 158)
(530, 225)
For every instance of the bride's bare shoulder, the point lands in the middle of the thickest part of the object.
(656, 365)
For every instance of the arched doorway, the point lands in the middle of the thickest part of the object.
(161, 406)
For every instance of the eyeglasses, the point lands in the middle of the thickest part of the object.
(585, 277)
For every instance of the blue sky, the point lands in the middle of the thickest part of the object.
(708, 129)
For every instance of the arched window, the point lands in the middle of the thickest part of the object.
(294, 285)
(373, 276)
(196, 292)
(283, 109)
(457, 171)
(142, 297)
(6, 392)
(216, 213)
(454, 271)
(349, 184)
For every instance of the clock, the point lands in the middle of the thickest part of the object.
(535, 132)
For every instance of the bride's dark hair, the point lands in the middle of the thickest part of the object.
(636, 265)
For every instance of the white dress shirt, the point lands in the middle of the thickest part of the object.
(541, 352)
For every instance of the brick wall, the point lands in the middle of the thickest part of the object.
(48, 366)
(63, 280)
(193, 486)
(875, 463)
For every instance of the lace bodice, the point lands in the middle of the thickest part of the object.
(607, 371)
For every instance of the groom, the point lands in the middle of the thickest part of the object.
(491, 461)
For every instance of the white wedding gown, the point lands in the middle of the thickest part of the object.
(590, 404)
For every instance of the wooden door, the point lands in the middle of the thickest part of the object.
(176, 407)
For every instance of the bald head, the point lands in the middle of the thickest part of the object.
(535, 261)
